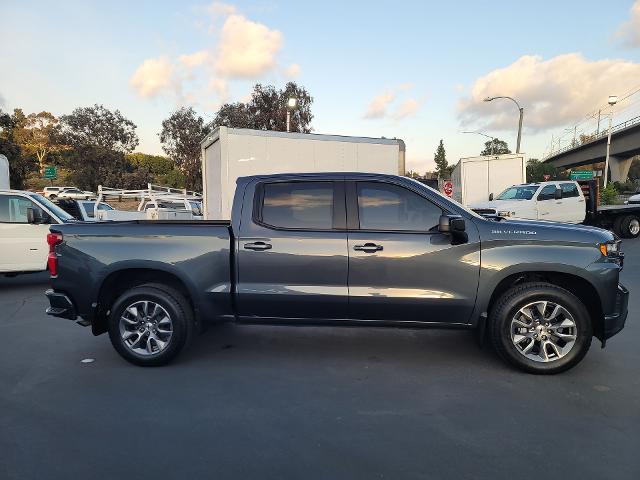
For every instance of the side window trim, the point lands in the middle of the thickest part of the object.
(353, 214)
(338, 211)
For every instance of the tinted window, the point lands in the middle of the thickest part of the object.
(384, 206)
(307, 205)
(548, 192)
(13, 209)
(569, 190)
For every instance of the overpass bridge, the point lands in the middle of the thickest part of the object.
(625, 144)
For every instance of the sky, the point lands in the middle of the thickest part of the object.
(411, 70)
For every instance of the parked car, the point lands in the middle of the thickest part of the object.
(25, 218)
(83, 210)
(343, 249)
(75, 194)
(52, 192)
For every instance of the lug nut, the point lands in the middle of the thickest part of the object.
(544, 337)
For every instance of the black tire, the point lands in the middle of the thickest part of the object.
(617, 229)
(176, 306)
(508, 305)
(629, 226)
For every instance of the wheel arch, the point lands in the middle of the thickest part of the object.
(570, 281)
(119, 280)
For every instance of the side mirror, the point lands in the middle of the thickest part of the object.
(491, 197)
(451, 224)
(558, 194)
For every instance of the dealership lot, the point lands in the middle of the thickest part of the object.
(286, 402)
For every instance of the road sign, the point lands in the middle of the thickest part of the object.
(50, 172)
(581, 174)
(447, 188)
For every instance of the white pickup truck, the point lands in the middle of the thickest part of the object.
(561, 201)
(25, 218)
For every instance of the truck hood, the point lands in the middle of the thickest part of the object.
(545, 230)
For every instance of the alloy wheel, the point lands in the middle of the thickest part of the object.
(146, 328)
(543, 331)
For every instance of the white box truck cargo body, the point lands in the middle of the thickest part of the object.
(4, 173)
(229, 153)
(475, 178)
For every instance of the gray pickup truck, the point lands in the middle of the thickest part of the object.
(342, 249)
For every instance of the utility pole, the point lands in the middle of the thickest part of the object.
(598, 129)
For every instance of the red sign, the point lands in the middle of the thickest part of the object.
(448, 188)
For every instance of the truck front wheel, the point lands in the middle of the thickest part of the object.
(150, 324)
(540, 328)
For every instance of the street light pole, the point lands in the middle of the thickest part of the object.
(291, 104)
(613, 99)
(493, 145)
(520, 109)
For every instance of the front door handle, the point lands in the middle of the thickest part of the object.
(258, 246)
(368, 247)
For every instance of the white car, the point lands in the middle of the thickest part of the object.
(559, 201)
(75, 194)
(24, 224)
(52, 192)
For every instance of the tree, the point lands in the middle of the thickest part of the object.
(99, 127)
(19, 165)
(180, 136)
(98, 139)
(495, 147)
(35, 135)
(267, 110)
(440, 158)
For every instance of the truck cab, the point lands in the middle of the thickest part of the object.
(558, 201)
(25, 218)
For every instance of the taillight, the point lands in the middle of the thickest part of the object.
(53, 239)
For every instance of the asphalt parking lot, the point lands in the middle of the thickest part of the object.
(301, 403)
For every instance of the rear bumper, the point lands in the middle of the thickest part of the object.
(60, 305)
(614, 322)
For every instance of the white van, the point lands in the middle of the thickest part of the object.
(558, 201)
(24, 224)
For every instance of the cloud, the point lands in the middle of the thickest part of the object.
(153, 77)
(629, 32)
(194, 60)
(292, 70)
(219, 9)
(219, 87)
(378, 106)
(408, 108)
(2, 101)
(247, 49)
(406, 86)
(552, 92)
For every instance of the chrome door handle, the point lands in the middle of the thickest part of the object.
(258, 246)
(368, 247)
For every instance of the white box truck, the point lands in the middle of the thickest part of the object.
(4, 173)
(229, 153)
(474, 179)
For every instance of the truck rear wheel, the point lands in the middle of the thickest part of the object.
(629, 226)
(150, 324)
(540, 328)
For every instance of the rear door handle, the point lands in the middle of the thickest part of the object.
(368, 247)
(258, 246)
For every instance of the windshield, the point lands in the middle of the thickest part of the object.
(89, 207)
(52, 207)
(519, 192)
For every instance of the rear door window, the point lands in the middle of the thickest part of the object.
(297, 205)
(13, 209)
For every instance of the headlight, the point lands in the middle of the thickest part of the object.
(610, 249)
